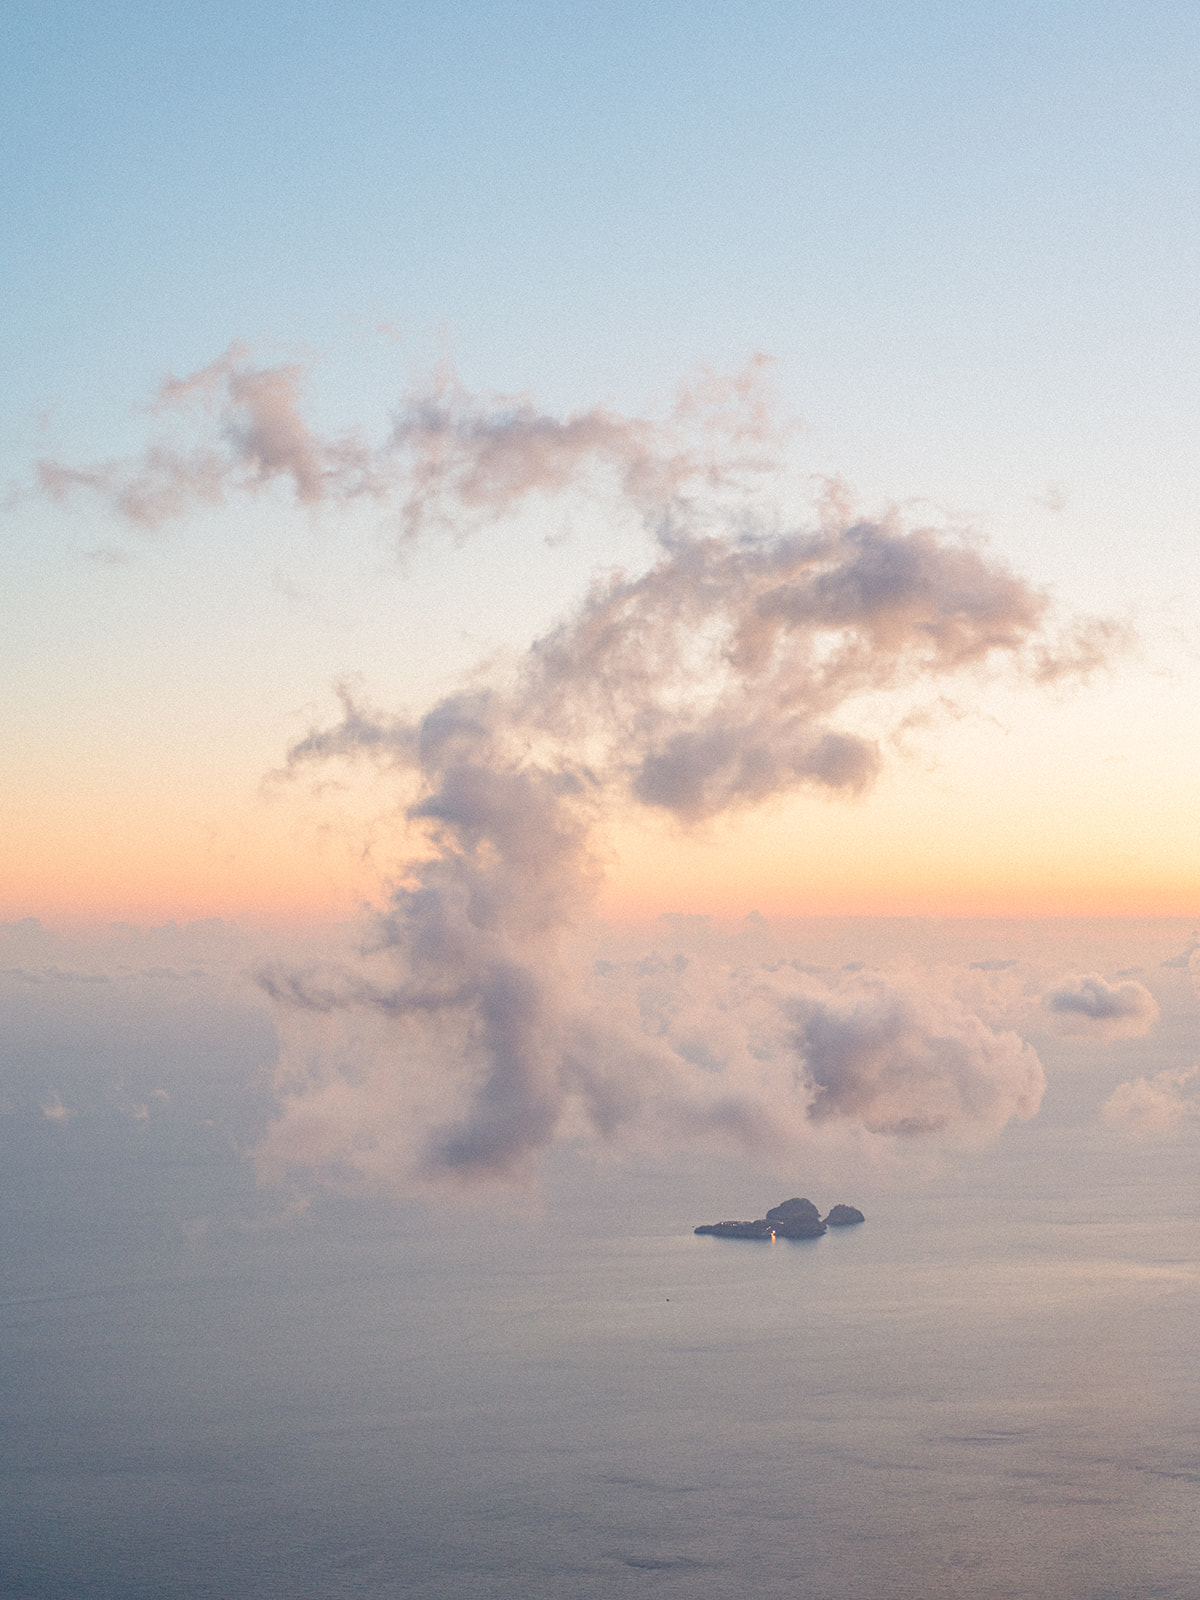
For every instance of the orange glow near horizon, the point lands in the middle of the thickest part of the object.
(1033, 899)
(815, 860)
(1029, 807)
(153, 868)
(1041, 825)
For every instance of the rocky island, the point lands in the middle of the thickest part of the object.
(791, 1219)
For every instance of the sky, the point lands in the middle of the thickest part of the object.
(601, 616)
(963, 236)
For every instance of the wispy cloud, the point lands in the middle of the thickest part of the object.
(448, 460)
(54, 1110)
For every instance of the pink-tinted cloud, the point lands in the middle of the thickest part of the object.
(449, 460)
(732, 669)
(1089, 1005)
(243, 429)
(901, 1065)
(748, 658)
(1157, 1105)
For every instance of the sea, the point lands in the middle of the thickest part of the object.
(989, 1389)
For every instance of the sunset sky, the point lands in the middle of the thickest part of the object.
(601, 631)
(966, 236)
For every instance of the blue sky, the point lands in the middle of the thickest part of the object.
(967, 234)
(590, 198)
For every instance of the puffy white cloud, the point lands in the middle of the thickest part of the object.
(1088, 1004)
(395, 1087)
(1146, 1106)
(903, 1063)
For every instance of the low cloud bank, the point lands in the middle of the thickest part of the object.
(731, 1040)
(394, 1087)
(1091, 1006)
(124, 1039)
(902, 1064)
(1147, 1106)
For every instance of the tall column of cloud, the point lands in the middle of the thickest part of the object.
(748, 659)
(734, 668)
(470, 946)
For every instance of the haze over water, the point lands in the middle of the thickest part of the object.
(560, 564)
(986, 1390)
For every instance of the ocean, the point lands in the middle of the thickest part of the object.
(989, 1389)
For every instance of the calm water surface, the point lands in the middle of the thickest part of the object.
(990, 1389)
